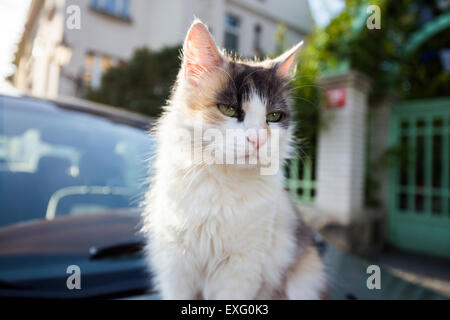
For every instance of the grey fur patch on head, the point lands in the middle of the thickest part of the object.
(245, 79)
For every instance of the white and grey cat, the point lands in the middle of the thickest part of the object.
(221, 230)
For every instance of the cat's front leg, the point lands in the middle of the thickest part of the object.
(307, 279)
(238, 278)
(176, 285)
(174, 275)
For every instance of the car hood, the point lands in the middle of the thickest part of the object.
(107, 248)
(70, 234)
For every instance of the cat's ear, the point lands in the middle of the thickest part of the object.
(200, 54)
(286, 64)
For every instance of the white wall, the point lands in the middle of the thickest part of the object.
(341, 155)
(248, 20)
(38, 72)
(102, 34)
(292, 12)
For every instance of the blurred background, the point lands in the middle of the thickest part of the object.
(371, 98)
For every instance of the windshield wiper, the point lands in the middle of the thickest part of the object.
(118, 249)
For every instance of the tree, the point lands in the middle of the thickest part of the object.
(346, 43)
(142, 84)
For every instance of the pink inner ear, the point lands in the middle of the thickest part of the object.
(200, 53)
(287, 64)
(286, 67)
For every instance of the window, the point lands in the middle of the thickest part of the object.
(257, 40)
(118, 8)
(95, 65)
(232, 33)
(106, 63)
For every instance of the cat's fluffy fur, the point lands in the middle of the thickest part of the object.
(221, 231)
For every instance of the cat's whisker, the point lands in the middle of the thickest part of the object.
(308, 85)
(306, 100)
(299, 76)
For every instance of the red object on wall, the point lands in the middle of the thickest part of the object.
(336, 98)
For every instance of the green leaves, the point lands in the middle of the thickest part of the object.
(142, 84)
(376, 53)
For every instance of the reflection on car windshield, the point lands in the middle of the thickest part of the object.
(75, 162)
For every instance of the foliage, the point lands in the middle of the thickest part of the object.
(379, 52)
(306, 96)
(346, 42)
(142, 84)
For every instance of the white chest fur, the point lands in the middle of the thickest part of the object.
(214, 226)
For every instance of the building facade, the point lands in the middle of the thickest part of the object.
(57, 57)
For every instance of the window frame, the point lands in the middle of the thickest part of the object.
(114, 8)
(233, 30)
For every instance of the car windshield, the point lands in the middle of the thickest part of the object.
(56, 161)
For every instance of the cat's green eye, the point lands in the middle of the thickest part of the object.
(227, 110)
(274, 116)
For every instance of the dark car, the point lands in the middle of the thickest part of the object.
(72, 176)
(71, 180)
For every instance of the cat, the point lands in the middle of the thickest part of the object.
(219, 229)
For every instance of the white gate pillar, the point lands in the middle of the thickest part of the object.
(342, 145)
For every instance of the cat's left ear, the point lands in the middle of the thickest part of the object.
(200, 54)
(286, 64)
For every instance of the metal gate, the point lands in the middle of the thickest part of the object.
(419, 204)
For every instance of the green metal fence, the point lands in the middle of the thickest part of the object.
(301, 179)
(419, 205)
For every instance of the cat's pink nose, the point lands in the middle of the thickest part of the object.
(257, 140)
